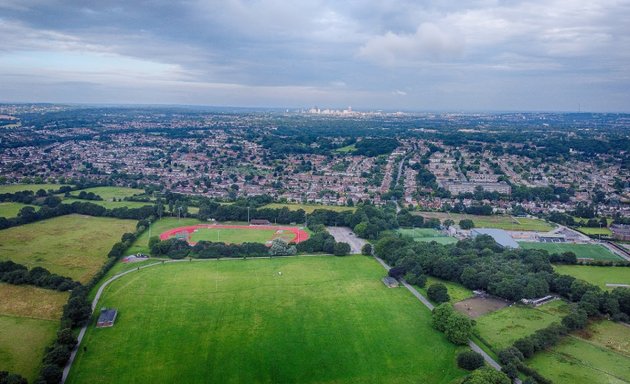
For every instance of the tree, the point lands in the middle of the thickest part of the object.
(341, 249)
(11, 378)
(438, 293)
(487, 375)
(466, 224)
(51, 374)
(458, 328)
(440, 316)
(470, 360)
(575, 320)
(366, 249)
(448, 223)
(280, 247)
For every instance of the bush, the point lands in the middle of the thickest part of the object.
(414, 279)
(487, 375)
(440, 316)
(466, 224)
(438, 293)
(575, 320)
(458, 328)
(51, 374)
(341, 249)
(11, 378)
(470, 360)
(367, 249)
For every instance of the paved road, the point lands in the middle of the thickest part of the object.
(345, 234)
(428, 304)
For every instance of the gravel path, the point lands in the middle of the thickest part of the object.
(345, 234)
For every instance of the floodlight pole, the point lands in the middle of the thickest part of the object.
(247, 215)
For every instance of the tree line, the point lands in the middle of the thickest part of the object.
(18, 274)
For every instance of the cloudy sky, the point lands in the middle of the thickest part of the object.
(557, 55)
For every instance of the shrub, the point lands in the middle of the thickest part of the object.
(470, 360)
(438, 293)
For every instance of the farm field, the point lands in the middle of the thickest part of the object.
(109, 204)
(11, 209)
(30, 301)
(502, 328)
(508, 223)
(587, 251)
(324, 319)
(74, 245)
(599, 276)
(141, 245)
(309, 208)
(22, 344)
(108, 193)
(12, 188)
(233, 236)
(456, 291)
(427, 234)
(576, 360)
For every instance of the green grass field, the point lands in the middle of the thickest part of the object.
(22, 344)
(595, 231)
(30, 301)
(12, 188)
(588, 251)
(503, 327)
(141, 245)
(611, 335)
(599, 276)
(508, 223)
(233, 236)
(347, 149)
(456, 291)
(427, 234)
(109, 204)
(74, 245)
(576, 360)
(10, 209)
(309, 208)
(324, 319)
(108, 193)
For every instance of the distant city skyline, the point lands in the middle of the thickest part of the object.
(484, 55)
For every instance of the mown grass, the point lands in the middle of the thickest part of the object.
(324, 319)
(233, 236)
(74, 245)
(11, 209)
(509, 223)
(503, 327)
(108, 193)
(141, 245)
(12, 188)
(575, 360)
(595, 231)
(109, 204)
(427, 235)
(587, 251)
(22, 344)
(599, 276)
(456, 291)
(309, 208)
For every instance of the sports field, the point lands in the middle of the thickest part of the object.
(141, 245)
(585, 251)
(74, 245)
(509, 223)
(12, 188)
(456, 291)
(595, 231)
(10, 209)
(323, 319)
(232, 236)
(427, 234)
(502, 328)
(588, 358)
(599, 276)
(236, 234)
(29, 318)
(308, 208)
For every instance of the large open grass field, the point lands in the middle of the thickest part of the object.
(74, 245)
(12, 188)
(599, 276)
(592, 360)
(324, 319)
(503, 327)
(595, 231)
(587, 251)
(233, 236)
(309, 208)
(108, 193)
(427, 234)
(11, 209)
(141, 245)
(509, 223)
(29, 318)
(109, 204)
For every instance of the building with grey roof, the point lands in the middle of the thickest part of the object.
(500, 236)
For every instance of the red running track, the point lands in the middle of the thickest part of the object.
(299, 234)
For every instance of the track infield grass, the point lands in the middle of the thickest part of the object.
(73, 245)
(427, 235)
(599, 276)
(141, 245)
(586, 251)
(502, 328)
(324, 319)
(11, 209)
(234, 236)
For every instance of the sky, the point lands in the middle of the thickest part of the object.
(478, 55)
